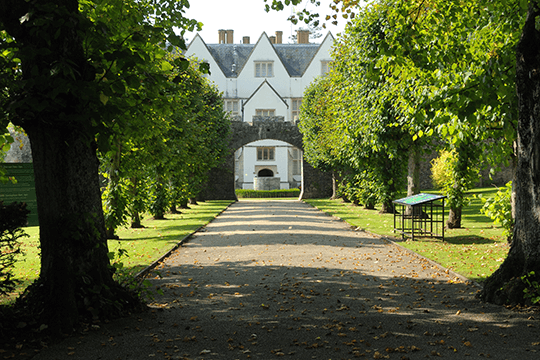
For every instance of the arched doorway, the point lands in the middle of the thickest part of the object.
(222, 182)
(268, 158)
(265, 173)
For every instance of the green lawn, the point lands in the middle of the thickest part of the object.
(143, 246)
(475, 251)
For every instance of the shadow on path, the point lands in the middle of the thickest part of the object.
(271, 279)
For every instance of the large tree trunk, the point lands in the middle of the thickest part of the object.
(75, 278)
(505, 285)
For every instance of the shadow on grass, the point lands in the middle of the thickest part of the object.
(454, 240)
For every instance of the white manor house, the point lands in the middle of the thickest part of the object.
(264, 81)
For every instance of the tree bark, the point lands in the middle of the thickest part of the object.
(454, 218)
(505, 285)
(413, 174)
(75, 280)
(334, 186)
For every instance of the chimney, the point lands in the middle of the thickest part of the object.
(279, 37)
(302, 36)
(221, 34)
(273, 39)
(245, 40)
(230, 36)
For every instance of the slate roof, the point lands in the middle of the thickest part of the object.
(231, 58)
(296, 58)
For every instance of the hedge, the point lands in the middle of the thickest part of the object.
(244, 193)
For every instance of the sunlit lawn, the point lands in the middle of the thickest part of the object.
(143, 246)
(475, 251)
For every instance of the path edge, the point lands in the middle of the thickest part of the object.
(394, 241)
(142, 274)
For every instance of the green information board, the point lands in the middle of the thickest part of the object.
(418, 199)
(23, 191)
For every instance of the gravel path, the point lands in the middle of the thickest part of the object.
(271, 279)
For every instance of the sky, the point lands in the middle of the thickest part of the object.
(248, 18)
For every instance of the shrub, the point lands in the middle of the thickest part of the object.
(246, 193)
(453, 175)
(12, 218)
(499, 209)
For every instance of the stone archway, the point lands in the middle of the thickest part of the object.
(315, 184)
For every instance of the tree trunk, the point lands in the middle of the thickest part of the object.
(184, 204)
(136, 221)
(193, 201)
(115, 208)
(505, 285)
(387, 207)
(413, 174)
(136, 206)
(75, 278)
(454, 218)
(334, 186)
(413, 180)
(174, 210)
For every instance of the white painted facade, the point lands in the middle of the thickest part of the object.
(266, 79)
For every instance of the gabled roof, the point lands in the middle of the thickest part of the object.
(326, 38)
(198, 37)
(230, 57)
(296, 58)
(265, 82)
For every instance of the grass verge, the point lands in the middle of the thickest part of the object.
(142, 246)
(475, 251)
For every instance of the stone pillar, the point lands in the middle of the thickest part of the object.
(279, 37)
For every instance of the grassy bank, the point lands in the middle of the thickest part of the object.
(143, 246)
(476, 250)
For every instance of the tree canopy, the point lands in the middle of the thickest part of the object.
(79, 76)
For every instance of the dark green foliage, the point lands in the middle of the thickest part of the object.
(12, 219)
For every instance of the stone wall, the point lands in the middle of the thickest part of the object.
(266, 183)
(20, 151)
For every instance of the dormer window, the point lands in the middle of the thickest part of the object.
(264, 68)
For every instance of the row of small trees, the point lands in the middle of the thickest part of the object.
(102, 85)
(161, 166)
(411, 77)
(462, 72)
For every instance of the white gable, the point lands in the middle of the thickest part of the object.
(265, 98)
(323, 54)
(263, 52)
(198, 49)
